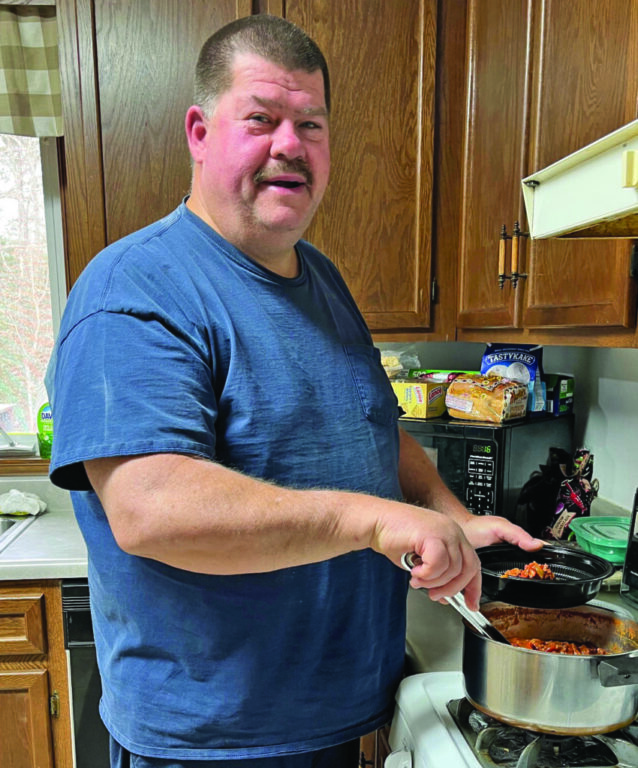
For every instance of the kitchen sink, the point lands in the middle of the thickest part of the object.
(11, 528)
(5, 525)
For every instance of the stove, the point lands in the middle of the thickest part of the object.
(434, 726)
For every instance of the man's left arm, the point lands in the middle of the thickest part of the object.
(422, 484)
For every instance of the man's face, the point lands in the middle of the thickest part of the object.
(262, 158)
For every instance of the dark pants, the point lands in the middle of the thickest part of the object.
(342, 756)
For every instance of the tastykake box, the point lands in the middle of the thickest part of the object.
(421, 399)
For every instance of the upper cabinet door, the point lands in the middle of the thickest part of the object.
(585, 86)
(545, 77)
(127, 72)
(375, 221)
(494, 154)
(145, 56)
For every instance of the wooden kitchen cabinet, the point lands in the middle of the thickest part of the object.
(374, 748)
(127, 82)
(34, 690)
(375, 221)
(544, 78)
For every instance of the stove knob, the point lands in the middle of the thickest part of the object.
(399, 759)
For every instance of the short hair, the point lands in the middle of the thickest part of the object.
(271, 37)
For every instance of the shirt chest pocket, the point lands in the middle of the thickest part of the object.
(376, 395)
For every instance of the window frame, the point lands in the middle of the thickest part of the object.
(49, 156)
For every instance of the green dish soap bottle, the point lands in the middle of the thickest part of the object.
(45, 431)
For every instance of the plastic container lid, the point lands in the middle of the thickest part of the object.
(606, 537)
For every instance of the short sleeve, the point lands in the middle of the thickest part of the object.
(125, 384)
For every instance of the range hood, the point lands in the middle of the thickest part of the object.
(592, 193)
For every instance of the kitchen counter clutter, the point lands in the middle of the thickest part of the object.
(51, 546)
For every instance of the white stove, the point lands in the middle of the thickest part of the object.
(424, 734)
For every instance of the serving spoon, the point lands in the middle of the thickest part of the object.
(480, 623)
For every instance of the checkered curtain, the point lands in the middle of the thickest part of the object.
(30, 101)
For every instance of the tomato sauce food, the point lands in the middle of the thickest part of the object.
(536, 570)
(558, 646)
(532, 570)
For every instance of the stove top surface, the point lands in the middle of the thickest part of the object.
(498, 745)
(439, 727)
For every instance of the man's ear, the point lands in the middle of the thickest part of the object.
(196, 130)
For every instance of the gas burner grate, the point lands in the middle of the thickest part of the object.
(497, 745)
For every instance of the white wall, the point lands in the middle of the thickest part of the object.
(605, 403)
(610, 407)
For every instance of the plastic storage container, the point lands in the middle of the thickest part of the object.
(606, 537)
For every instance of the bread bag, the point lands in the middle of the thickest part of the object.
(486, 398)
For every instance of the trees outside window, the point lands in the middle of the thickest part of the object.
(26, 316)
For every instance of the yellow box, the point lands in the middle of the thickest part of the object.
(421, 399)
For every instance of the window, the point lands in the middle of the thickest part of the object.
(31, 274)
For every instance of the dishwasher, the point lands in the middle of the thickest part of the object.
(90, 737)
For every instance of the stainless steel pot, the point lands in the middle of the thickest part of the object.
(550, 692)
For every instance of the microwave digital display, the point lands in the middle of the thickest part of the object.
(480, 477)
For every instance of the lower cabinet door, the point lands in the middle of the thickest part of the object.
(24, 714)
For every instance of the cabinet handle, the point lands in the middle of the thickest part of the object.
(502, 277)
(363, 762)
(515, 241)
(515, 237)
(54, 704)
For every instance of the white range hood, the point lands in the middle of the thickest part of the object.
(592, 193)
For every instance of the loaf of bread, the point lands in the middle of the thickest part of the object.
(486, 398)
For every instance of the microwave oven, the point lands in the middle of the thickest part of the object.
(486, 465)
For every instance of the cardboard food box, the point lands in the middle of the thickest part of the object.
(435, 374)
(420, 399)
(559, 396)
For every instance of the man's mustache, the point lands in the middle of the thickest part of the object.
(298, 167)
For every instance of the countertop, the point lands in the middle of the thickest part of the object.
(52, 546)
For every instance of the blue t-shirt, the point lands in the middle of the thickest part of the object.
(174, 341)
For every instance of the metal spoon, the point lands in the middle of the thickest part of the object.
(481, 624)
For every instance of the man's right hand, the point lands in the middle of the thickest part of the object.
(448, 562)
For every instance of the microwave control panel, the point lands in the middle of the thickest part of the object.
(481, 476)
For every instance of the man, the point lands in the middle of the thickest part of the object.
(232, 445)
